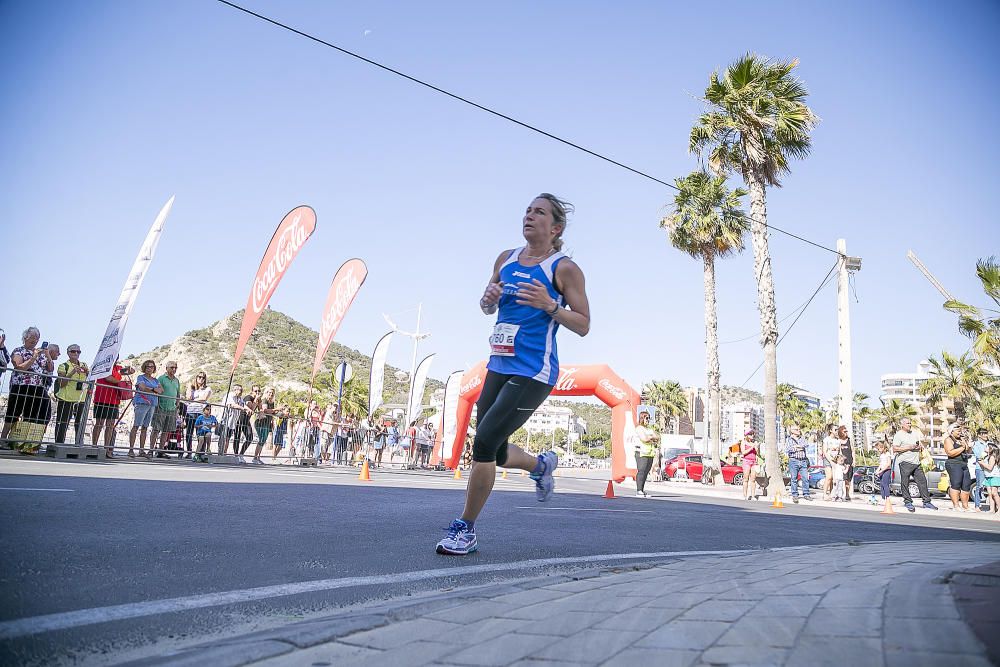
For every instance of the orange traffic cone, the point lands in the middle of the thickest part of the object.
(503, 475)
(458, 473)
(888, 507)
(610, 491)
(777, 500)
(365, 476)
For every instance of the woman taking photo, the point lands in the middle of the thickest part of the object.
(534, 290)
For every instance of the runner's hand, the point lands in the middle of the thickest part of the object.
(491, 296)
(535, 295)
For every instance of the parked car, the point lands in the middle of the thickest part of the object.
(933, 477)
(692, 466)
(816, 476)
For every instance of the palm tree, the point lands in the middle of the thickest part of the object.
(353, 402)
(668, 398)
(984, 331)
(960, 379)
(707, 223)
(892, 413)
(757, 120)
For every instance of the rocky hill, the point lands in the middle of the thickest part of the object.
(279, 354)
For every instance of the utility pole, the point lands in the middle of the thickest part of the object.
(845, 266)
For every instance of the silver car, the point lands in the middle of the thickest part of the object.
(933, 477)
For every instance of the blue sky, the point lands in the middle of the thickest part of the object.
(109, 108)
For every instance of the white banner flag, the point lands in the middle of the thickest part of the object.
(450, 417)
(107, 353)
(377, 380)
(417, 389)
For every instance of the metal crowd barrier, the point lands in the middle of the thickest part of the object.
(35, 419)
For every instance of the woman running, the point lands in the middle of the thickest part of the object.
(530, 287)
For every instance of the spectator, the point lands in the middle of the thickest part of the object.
(204, 424)
(243, 427)
(165, 416)
(798, 464)
(230, 418)
(4, 354)
(979, 455)
(280, 430)
(147, 390)
(198, 394)
(646, 447)
(344, 427)
(883, 473)
(264, 422)
(846, 452)
(991, 471)
(313, 418)
(378, 443)
(906, 444)
(748, 461)
(53, 353)
(27, 398)
(831, 447)
(328, 434)
(71, 391)
(392, 438)
(108, 394)
(839, 478)
(957, 448)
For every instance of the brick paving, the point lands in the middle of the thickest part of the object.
(880, 604)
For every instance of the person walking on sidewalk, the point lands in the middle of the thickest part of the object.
(798, 464)
(906, 444)
(528, 289)
(649, 444)
(957, 448)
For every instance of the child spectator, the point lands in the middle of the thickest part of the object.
(839, 471)
(204, 425)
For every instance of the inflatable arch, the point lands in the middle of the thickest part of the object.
(574, 380)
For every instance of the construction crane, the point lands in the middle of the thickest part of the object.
(927, 274)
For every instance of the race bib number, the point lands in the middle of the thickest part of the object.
(502, 340)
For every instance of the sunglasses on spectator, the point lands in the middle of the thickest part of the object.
(74, 351)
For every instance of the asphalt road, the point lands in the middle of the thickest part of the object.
(95, 536)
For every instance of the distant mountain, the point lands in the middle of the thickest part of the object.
(732, 395)
(279, 354)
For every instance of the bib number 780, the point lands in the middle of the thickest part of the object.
(502, 340)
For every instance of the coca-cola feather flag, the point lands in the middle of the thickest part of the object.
(291, 234)
(343, 289)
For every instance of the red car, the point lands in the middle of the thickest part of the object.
(692, 465)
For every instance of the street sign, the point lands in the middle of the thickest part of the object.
(344, 372)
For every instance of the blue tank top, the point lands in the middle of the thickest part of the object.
(524, 338)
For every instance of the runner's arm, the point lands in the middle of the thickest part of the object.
(570, 282)
(491, 295)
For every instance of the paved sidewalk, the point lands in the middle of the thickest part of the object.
(879, 604)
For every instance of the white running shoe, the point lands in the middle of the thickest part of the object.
(460, 540)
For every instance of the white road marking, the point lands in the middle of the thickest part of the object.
(581, 509)
(72, 619)
(21, 488)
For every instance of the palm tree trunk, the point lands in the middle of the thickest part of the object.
(768, 322)
(712, 364)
